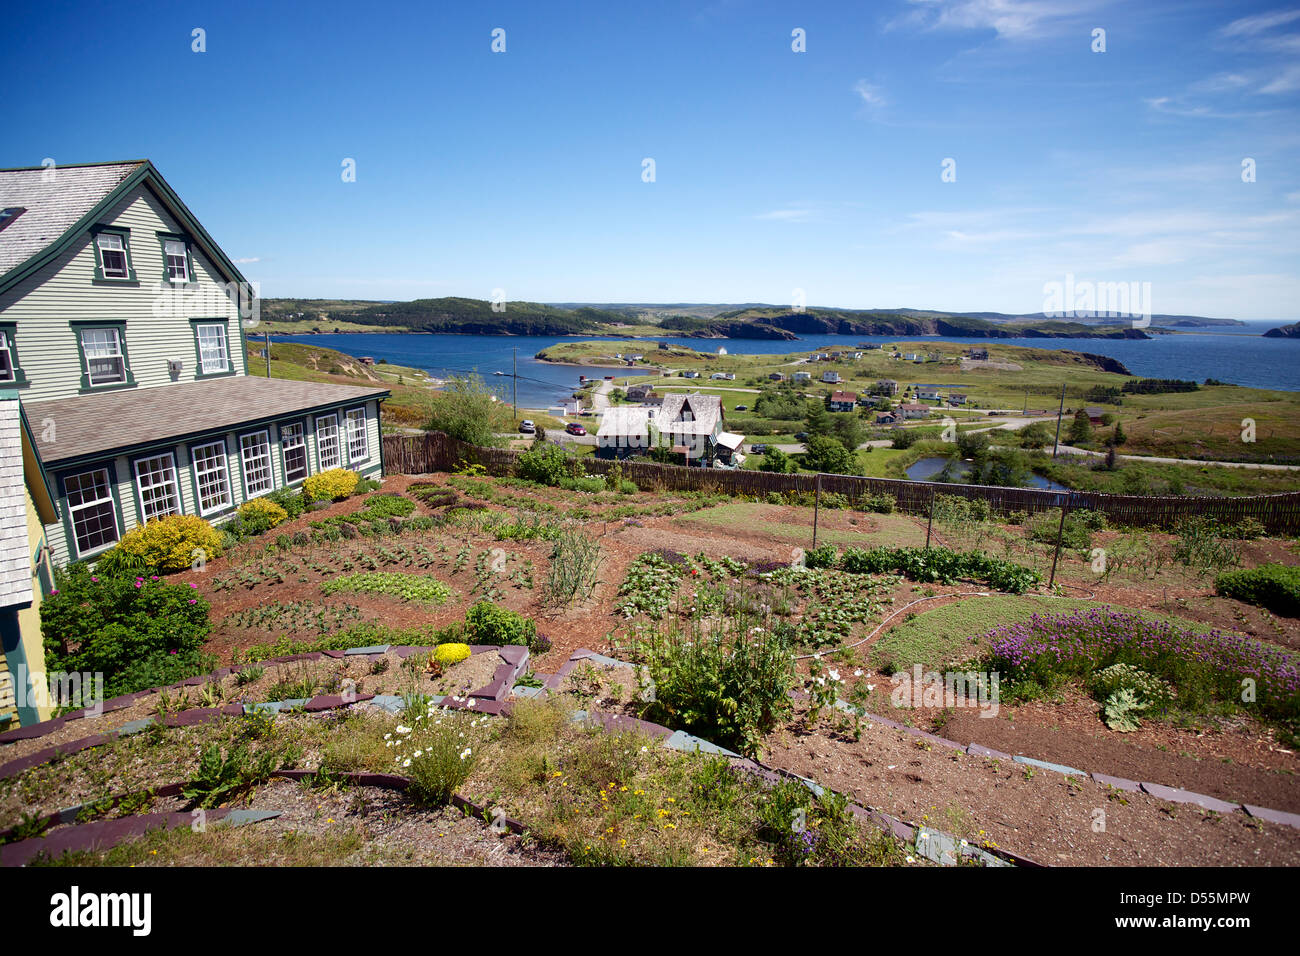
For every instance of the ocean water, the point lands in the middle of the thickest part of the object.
(1240, 355)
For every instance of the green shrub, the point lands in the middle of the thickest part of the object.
(137, 632)
(332, 485)
(488, 623)
(1272, 586)
(163, 546)
(290, 499)
(437, 755)
(261, 515)
(941, 564)
(546, 465)
(591, 484)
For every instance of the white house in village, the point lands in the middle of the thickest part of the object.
(691, 424)
(913, 410)
(927, 393)
(122, 331)
(831, 377)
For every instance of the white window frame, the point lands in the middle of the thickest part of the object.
(101, 248)
(117, 354)
(223, 349)
(73, 510)
(248, 461)
(183, 256)
(211, 466)
(286, 447)
(158, 479)
(328, 439)
(7, 373)
(364, 440)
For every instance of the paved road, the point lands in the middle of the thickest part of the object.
(1257, 465)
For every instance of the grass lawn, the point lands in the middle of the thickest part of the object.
(944, 635)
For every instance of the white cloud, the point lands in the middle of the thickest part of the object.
(1260, 22)
(246, 260)
(1010, 19)
(871, 94)
(1285, 82)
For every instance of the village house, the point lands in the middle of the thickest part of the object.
(640, 393)
(914, 410)
(866, 400)
(886, 418)
(886, 386)
(691, 425)
(831, 377)
(927, 393)
(1094, 414)
(979, 355)
(122, 331)
(777, 377)
(843, 402)
(957, 398)
(803, 376)
(690, 373)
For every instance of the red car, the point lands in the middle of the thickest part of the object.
(573, 428)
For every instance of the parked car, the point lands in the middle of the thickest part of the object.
(527, 427)
(742, 408)
(573, 428)
(757, 449)
(801, 436)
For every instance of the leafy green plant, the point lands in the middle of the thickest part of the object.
(575, 562)
(408, 587)
(488, 623)
(138, 633)
(220, 776)
(1272, 586)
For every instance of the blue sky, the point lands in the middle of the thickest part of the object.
(774, 170)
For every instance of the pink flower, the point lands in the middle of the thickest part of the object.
(153, 578)
(193, 585)
(194, 600)
(96, 580)
(55, 591)
(139, 584)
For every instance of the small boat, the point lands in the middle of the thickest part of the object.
(498, 373)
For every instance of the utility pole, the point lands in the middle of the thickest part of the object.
(1026, 409)
(930, 523)
(817, 507)
(1059, 412)
(515, 378)
(268, 353)
(1060, 533)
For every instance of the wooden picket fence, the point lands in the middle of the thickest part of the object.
(1279, 514)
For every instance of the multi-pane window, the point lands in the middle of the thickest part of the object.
(178, 263)
(91, 510)
(294, 446)
(155, 479)
(213, 354)
(6, 358)
(105, 362)
(358, 449)
(327, 441)
(211, 476)
(255, 453)
(112, 255)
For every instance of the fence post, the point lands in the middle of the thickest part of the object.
(1065, 506)
(817, 506)
(930, 523)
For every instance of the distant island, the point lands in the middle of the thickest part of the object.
(748, 321)
(1291, 331)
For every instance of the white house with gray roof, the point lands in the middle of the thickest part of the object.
(122, 331)
(690, 424)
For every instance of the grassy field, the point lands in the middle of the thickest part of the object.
(949, 634)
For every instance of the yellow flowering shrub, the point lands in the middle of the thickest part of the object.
(167, 545)
(448, 654)
(261, 515)
(332, 485)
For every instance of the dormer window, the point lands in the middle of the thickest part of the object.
(113, 254)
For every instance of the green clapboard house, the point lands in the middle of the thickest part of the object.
(122, 332)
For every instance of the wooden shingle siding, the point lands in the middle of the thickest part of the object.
(156, 314)
(15, 556)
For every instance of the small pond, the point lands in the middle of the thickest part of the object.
(925, 469)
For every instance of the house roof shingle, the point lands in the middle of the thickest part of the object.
(127, 418)
(54, 200)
